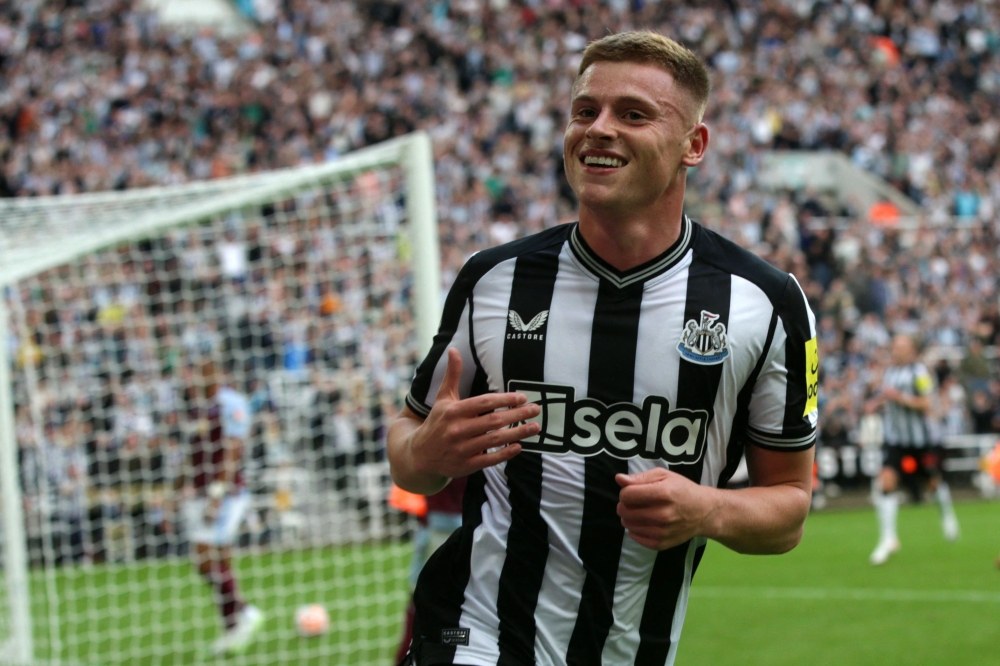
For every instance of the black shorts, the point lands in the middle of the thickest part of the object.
(422, 653)
(919, 461)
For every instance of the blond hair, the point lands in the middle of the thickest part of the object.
(647, 47)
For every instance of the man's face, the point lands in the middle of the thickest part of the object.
(903, 351)
(631, 132)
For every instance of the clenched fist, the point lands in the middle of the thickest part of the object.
(661, 509)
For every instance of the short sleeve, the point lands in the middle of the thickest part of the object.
(923, 383)
(235, 415)
(784, 406)
(453, 332)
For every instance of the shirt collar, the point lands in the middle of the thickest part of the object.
(621, 279)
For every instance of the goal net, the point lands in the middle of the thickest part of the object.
(314, 291)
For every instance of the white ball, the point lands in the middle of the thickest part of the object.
(312, 620)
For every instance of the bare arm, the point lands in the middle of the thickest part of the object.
(405, 471)
(768, 516)
(661, 509)
(458, 437)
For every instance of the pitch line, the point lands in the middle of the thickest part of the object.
(845, 593)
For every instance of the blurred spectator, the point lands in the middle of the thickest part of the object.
(948, 408)
(100, 427)
(974, 368)
(98, 96)
(982, 411)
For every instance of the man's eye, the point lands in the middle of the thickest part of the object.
(634, 115)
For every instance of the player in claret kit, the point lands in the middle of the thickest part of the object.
(598, 383)
(218, 500)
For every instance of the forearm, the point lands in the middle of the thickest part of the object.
(402, 464)
(758, 520)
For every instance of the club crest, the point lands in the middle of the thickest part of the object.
(704, 342)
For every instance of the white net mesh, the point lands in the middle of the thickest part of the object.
(304, 302)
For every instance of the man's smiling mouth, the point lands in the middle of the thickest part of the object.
(613, 162)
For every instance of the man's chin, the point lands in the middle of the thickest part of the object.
(604, 205)
(599, 195)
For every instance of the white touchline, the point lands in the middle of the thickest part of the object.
(845, 593)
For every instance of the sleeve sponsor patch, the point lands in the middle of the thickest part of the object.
(922, 383)
(812, 376)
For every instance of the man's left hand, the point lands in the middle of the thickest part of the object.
(662, 509)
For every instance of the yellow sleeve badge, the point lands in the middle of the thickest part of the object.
(923, 383)
(812, 376)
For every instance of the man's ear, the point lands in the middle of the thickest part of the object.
(695, 145)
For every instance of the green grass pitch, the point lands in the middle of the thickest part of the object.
(933, 603)
(162, 614)
(822, 604)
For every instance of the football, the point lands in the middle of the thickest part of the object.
(312, 620)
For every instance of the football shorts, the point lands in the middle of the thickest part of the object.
(922, 461)
(223, 530)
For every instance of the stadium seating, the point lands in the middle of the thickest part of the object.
(99, 96)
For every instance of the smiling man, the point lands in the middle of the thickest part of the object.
(598, 384)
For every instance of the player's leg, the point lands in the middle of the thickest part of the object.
(930, 464)
(242, 620)
(213, 558)
(215, 566)
(227, 593)
(887, 506)
(200, 534)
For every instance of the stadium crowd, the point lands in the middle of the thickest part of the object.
(310, 323)
(97, 95)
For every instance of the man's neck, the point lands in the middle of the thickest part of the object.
(627, 242)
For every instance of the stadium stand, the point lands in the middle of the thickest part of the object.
(99, 96)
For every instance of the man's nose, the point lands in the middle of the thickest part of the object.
(603, 127)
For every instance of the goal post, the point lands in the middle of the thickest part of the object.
(16, 646)
(318, 288)
(102, 218)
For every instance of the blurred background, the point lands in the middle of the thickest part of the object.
(853, 143)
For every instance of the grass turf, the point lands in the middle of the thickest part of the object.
(162, 614)
(932, 603)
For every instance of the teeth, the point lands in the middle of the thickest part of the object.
(602, 161)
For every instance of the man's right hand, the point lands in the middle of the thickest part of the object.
(459, 436)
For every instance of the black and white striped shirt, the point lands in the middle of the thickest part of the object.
(902, 425)
(678, 362)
